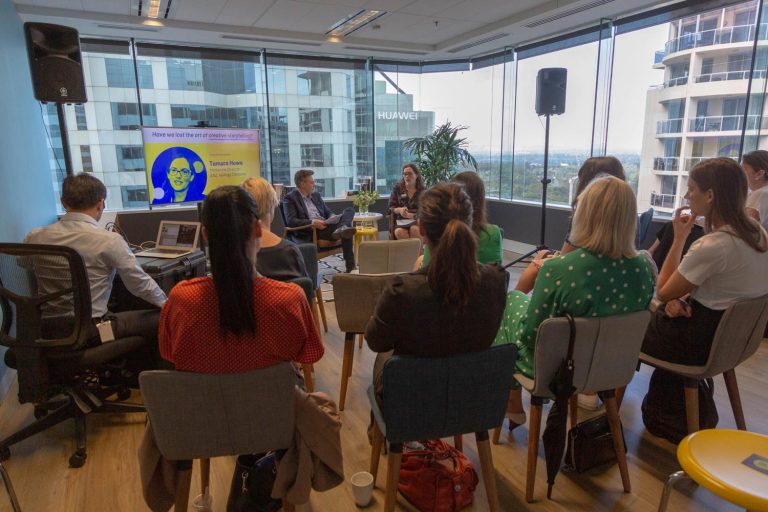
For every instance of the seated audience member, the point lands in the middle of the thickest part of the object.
(404, 202)
(304, 206)
(104, 253)
(593, 168)
(278, 258)
(489, 243)
(664, 239)
(453, 305)
(755, 165)
(603, 276)
(726, 265)
(235, 321)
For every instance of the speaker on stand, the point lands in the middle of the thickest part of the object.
(56, 66)
(550, 100)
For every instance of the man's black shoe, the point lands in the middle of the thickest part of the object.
(344, 232)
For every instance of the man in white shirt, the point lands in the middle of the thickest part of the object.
(104, 253)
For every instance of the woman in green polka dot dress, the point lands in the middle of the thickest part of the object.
(604, 276)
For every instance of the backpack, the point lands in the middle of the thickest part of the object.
(438, 478)
(664, 406)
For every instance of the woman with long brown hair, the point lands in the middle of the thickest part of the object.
(727, 265)
(453, 305)
(404, 202)
(489, 243)
(755, 165)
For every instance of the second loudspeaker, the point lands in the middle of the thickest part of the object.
(550, 91)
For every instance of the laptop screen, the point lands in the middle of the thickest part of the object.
(178, 234)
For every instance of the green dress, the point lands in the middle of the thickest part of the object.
(582, 283)
(489, 248)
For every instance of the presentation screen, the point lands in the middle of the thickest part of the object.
(184, 164)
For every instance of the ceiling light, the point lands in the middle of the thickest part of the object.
(153, 10)
(354, 22)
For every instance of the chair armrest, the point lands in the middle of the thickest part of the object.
(299, 228)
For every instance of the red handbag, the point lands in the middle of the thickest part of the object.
(438, 478)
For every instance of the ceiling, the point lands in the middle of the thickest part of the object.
(412, 30)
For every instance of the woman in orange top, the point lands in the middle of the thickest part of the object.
(237, 320)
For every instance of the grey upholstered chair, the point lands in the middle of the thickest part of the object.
(356, 296)
(605, 355)
(738, 336)
(431, 398)
(388, 256)
(199, 416)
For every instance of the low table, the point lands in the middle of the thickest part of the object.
(367, 225)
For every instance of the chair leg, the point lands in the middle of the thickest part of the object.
(321, 306)
(9, 489)
(497, 434)
(668, 485)
(534, 429)
(620, 395)
(183, 484)
(346, 366)
(735, 398)
(205, 475)
(315, 312)
(309, 383)
(393, 475)
(573, 409)
(612, 409)
(486, 466)
(458, 442)
(359, 341)
(378, 441)
(77, 459)
(692, 404)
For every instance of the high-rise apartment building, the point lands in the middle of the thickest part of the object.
(701, 108)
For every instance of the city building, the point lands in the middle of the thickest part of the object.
(700, 110)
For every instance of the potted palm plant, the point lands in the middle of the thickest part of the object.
(440, 153)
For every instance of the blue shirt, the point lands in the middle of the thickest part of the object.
(314, 213)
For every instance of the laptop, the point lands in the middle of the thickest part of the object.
(174, 239)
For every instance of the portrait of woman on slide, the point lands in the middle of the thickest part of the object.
(178, 176)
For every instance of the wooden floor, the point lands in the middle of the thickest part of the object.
(109, 481)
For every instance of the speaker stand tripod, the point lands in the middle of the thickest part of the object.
(544, 182)
(64, 139)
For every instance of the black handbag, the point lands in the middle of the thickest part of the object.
(590, 444)
(251, 489)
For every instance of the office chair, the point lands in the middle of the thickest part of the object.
(55, 348)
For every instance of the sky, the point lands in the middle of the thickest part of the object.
(474, 98)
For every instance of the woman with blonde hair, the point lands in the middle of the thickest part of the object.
(278, 259)
(603, 276)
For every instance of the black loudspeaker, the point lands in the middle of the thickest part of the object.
(55, 62)
(550, 91)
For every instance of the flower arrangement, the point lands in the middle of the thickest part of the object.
(364, 199)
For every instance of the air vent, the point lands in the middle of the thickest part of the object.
(131, 28)
(382, 50)
(477, 43)
(268, 40)
(569, 12)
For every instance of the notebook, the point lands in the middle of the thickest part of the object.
(174, 239)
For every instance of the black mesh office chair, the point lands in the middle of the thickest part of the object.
(53, 343)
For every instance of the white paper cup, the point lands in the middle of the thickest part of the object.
(362, 488)
(203, 503)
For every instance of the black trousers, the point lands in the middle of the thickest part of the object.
(682, 340)
(142, 323)
(347, 245)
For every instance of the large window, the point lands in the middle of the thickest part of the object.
(661, 93)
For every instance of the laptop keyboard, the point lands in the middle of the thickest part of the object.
(168, 251)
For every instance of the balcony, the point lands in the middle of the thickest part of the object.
(729, 75)
(725, 123)
(670, 126)
(663, 200)
(726, 35)
(666, 163)
(674, 82)
(658, 57)
(691, 161)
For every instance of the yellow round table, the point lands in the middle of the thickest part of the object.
(732, 464)
(367, 227)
